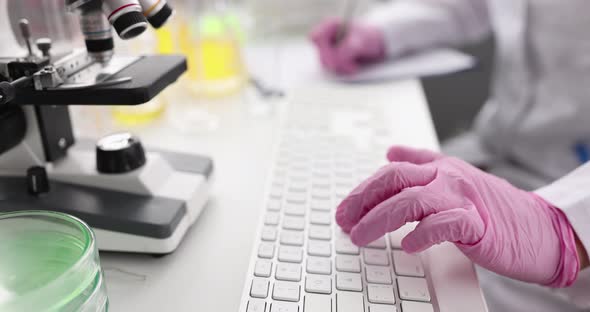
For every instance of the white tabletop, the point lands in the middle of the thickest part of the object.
(207, 271)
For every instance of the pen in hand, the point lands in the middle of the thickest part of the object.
(347, 18)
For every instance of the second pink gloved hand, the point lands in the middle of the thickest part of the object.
(498, 226)
(361, 44)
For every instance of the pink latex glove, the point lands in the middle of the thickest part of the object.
(361, 45)
(498, 226)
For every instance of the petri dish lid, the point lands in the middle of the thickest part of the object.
(48, 261)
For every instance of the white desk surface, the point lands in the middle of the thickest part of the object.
(207, 271)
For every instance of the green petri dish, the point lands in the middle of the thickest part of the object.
(49, 263)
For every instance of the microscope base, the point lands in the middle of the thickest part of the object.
(122, 221)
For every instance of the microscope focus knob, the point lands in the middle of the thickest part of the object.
(44, 45)
(119, 153)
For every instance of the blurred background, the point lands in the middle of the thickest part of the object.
(215, 36)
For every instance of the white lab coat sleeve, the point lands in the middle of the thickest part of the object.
(416, 25)
(572, 195)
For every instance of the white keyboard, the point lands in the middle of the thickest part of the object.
(303, 262)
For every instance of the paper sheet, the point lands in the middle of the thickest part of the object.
(431, 63)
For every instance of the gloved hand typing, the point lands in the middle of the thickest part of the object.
(360, 44)
(498, 226)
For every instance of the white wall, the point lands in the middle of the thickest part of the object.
(9, 45)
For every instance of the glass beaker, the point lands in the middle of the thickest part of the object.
(49, 263)
(219, 63)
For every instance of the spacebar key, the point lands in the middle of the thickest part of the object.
(349, 302)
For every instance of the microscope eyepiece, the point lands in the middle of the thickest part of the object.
(126, 17)
(157, 12)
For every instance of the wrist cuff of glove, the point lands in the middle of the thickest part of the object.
(569, 264)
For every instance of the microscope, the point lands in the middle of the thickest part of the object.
(136, 199)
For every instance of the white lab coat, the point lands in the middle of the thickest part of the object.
(538, 111)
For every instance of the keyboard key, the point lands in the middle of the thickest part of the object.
(293, 238)
(296, 198)
(279, 180)
(256, 305)
(347, 183)
(349, 281)
(346, 263)
(382, 308)
(269, 234)
(279, 306)
(321, 218)
(345, 246)
(376, 257)
(286, 291)
(298, 178)
(300, 163)
(290, 254)
(272, 218)
(378, 274)
(321, 180)
(343, 192)
(262, 268)
(293, 223)
(280, 173)
(297, 187)
(411, 306)
(300, 166)
(323, 205)
(319, 248)
(381, 243)
(259, 288)
(266, 250)
(295, 209)
(288, 272)
(317, 303)
(319, 265)
(276, 192)
(274, 205)
(339, 198)
(341, 172)
(349, 302)
(380, 294)
(395, 238)
(321, 174)
(320, 232)
(413, 288)
(321, 194)
(319, 284)
(407, 265)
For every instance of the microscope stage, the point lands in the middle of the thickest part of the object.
(150, 75)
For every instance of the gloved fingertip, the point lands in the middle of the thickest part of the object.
(343, 221)
(358, 237)
(391, 152)
(416, 156)
(409, 250)
(325, 30)
(345, 69)
(325, 61)
(316, 36)
(410, 247)
(413, 244)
